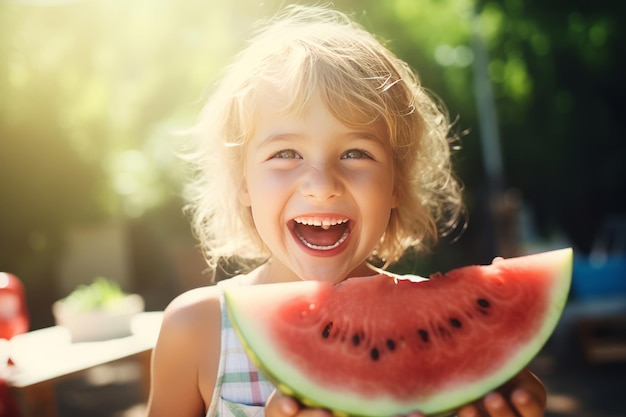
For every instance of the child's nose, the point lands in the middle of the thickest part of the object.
(321, 182)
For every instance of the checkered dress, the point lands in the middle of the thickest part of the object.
(240, 389)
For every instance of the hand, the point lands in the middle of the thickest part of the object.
(281, 405)
(523, 396)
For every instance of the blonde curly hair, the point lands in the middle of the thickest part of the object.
(315, 50)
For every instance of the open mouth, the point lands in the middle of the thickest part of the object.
(322, 234)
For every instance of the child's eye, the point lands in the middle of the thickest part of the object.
(356, 154)
(286, 154)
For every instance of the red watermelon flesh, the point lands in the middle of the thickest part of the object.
(383, 345)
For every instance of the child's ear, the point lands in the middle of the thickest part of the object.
(244, 195)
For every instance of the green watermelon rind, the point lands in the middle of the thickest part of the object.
(302, 397)
(288, 390)
(342, 404)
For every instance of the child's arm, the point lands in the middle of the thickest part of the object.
(186, 353)
(524, 393)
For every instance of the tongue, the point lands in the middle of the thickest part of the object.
(320, 237)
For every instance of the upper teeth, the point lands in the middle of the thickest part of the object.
(323, 223)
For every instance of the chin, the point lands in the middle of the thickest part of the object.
(324, 275)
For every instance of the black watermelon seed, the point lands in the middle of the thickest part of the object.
(483, 303)
(326, 331)
(374, 354)
(391, 345)
(455, 323)
(423, 335)
(356, 339)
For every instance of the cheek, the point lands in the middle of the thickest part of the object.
(379, 182)
(380, 195)
(386, 185)
(393, 175)
(266, 196)
(263, 187)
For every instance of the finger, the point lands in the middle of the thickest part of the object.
(280, 405)
(468, 411)
(528, 382)
(314, 412)
(526, 404)
(496, 406)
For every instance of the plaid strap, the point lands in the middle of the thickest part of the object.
(241, 390)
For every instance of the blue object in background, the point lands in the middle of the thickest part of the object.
(603, 272)
(599, 277)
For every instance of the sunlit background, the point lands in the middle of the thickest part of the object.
(93, 94)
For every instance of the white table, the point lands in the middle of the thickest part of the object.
(44, 357)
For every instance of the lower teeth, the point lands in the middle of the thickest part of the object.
(318, 247)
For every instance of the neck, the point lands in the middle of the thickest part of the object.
(274, 272)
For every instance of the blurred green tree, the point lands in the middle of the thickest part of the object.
(91, 93)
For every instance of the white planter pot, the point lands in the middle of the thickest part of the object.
(99, 324)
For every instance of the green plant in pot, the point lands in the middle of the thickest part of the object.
(97, 311)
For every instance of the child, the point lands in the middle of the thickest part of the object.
(318, 152)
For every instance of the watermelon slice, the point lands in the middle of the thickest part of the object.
(383, 345)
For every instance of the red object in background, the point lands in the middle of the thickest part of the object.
(13, 312)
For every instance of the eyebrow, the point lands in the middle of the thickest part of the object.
(362, 134)
(276, 137)
(357, 134)
(369, 137)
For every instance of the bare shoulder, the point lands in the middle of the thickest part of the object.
(186, 357)
(194, 316)
(192, 324)
(193, 308)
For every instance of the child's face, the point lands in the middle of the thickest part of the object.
(320, 192)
